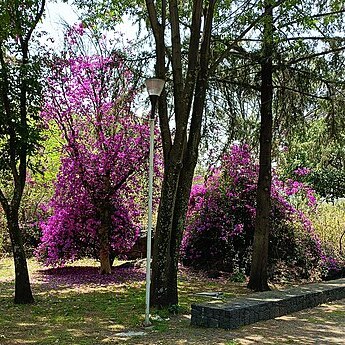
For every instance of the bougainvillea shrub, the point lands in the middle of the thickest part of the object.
(96, 206)
(220, 225)
(220, 216)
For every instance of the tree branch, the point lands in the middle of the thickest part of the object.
(4, 201)
(193, 52)
(8, 113)
(177, 64)
(327, 98)
(38, 17)
(156, 27)
(158, 32)
(237, 83)
(201, 85)
(311, 75)
(311, 56)
(240, 37)
(321, 38)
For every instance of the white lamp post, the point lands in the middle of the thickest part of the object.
(154, 87)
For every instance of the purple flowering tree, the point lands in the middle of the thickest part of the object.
(95, 207)
(221, 220)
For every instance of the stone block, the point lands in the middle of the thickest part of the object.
(265, 305)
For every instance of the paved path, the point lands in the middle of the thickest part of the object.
(321, 325)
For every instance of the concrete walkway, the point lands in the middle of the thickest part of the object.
(322, 325)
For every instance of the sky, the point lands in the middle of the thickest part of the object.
(57, 13)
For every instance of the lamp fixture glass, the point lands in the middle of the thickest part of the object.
(154, 86)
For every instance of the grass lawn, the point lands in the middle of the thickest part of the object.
(76, 306)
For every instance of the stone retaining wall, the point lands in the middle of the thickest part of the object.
(265, 305)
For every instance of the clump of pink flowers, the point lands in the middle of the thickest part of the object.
(221, 216)
(104, 155)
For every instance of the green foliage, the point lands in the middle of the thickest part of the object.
(174, 309)
(314, 148)
(20, 132)
(307, 84)
(38, 191)
(329, 224)
(105, 13)
(328, 182)
(238, 277)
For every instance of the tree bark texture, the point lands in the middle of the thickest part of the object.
(23, 293)
(181, 149)
(258, 273)
(103, 233)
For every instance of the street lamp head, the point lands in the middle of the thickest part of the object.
(154, 86)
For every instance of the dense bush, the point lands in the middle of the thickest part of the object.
(36, 193)
(329, 224)
(4, 238)
(220, 224)
(328, 182)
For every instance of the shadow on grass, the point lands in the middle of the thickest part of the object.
(85, 275)
(77, 306)
(77, 315)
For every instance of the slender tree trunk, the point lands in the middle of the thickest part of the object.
(20, 21)
(105, 265)
(190, 159)
(258, 273)
(23, 293)
(103, 233)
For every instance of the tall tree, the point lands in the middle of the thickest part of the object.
(258, 273)
(180, 148)
(235, 28)
(287, 67)
(19, 135)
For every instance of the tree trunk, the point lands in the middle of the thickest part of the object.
(190, 159)
(23, 293)
(162, 242)
(258, 273)
(103, 232)
(180, 157)
(178, 223)
(104, 260)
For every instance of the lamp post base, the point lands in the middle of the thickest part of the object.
(147, 323)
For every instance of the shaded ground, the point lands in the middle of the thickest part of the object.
(77, 306)
(322, 325)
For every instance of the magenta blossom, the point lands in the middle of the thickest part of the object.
(221, 218)
(98, 200)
